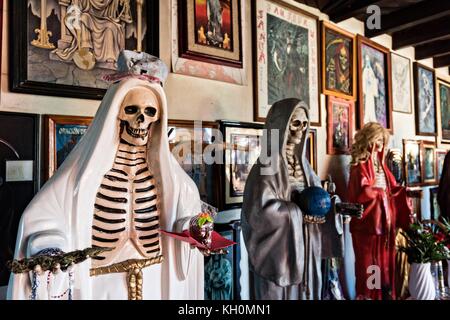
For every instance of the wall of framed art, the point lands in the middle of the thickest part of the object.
(226, 78)
(210, 100)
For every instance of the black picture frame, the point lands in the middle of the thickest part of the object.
(15, 196)
(227, 201)
(19, 81)
(209, 192)
(435, 212)
(230, 231)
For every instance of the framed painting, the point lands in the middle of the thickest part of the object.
(1, 34)
(189, 141)
(435, 211)
(210, 31)
(51, 55)
(339, 126)
(19, 178)
(338, 62)
(394, 161)
(424, 80)
(443, 110)
(222, 272)
(429, 172)
(401, 84)
(311, 149)
(285, 57)
(416, 196)
(61, 135)
(243, 144)
(412, 162)
(440, 158)
(375, 95)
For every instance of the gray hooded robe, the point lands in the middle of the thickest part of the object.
(285, 253)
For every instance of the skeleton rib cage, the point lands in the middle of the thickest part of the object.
(126, 207)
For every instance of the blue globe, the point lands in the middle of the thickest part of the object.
(315, 201)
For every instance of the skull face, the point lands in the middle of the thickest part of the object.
(139, 110)
(297, 126)
(343, 58)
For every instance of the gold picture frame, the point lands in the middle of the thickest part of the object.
(335, 47)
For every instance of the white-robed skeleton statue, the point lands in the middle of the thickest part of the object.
(117, 188)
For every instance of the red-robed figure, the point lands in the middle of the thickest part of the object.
(386, 208)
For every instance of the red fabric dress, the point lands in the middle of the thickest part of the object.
(374, 234)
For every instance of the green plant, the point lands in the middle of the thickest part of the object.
(423, 245)
(204, 218)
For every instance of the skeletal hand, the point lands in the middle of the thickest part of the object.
(209, 252)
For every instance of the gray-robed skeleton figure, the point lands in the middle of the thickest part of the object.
(285, 252)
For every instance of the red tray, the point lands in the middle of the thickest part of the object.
(218, 242)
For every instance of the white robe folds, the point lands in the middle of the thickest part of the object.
(61, 214)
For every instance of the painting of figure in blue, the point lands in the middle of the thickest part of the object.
(67, 136)
(426, 102)
(218, 278)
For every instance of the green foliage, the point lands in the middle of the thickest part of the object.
(204, 218)
(423, 245)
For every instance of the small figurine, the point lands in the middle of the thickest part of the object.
(201, 228)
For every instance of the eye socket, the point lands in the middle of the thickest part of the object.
(150, 111)
(296, 123)
(131, 109)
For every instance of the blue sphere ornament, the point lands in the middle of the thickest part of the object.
(315, 201)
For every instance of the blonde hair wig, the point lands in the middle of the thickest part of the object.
(365, 139)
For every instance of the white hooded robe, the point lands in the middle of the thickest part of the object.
(61, 214)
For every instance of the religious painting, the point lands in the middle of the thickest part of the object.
(429, 176)
(440, 158)
(219, 273)
(222, 272)
(425, 100)
(66, 47)
(401, 84)
(311, 149)
(443, 110)
(338, 62)
(394, 161)
(285, 57)
(435, 211)
(210, 31)
(243, 142)
(412, 162)
(242, 159)
(62, 133)
(191, 142)
(416, 196)
(340, 125)
(375, 98)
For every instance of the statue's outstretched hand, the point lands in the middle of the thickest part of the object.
(350, 209)
(209, 252)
